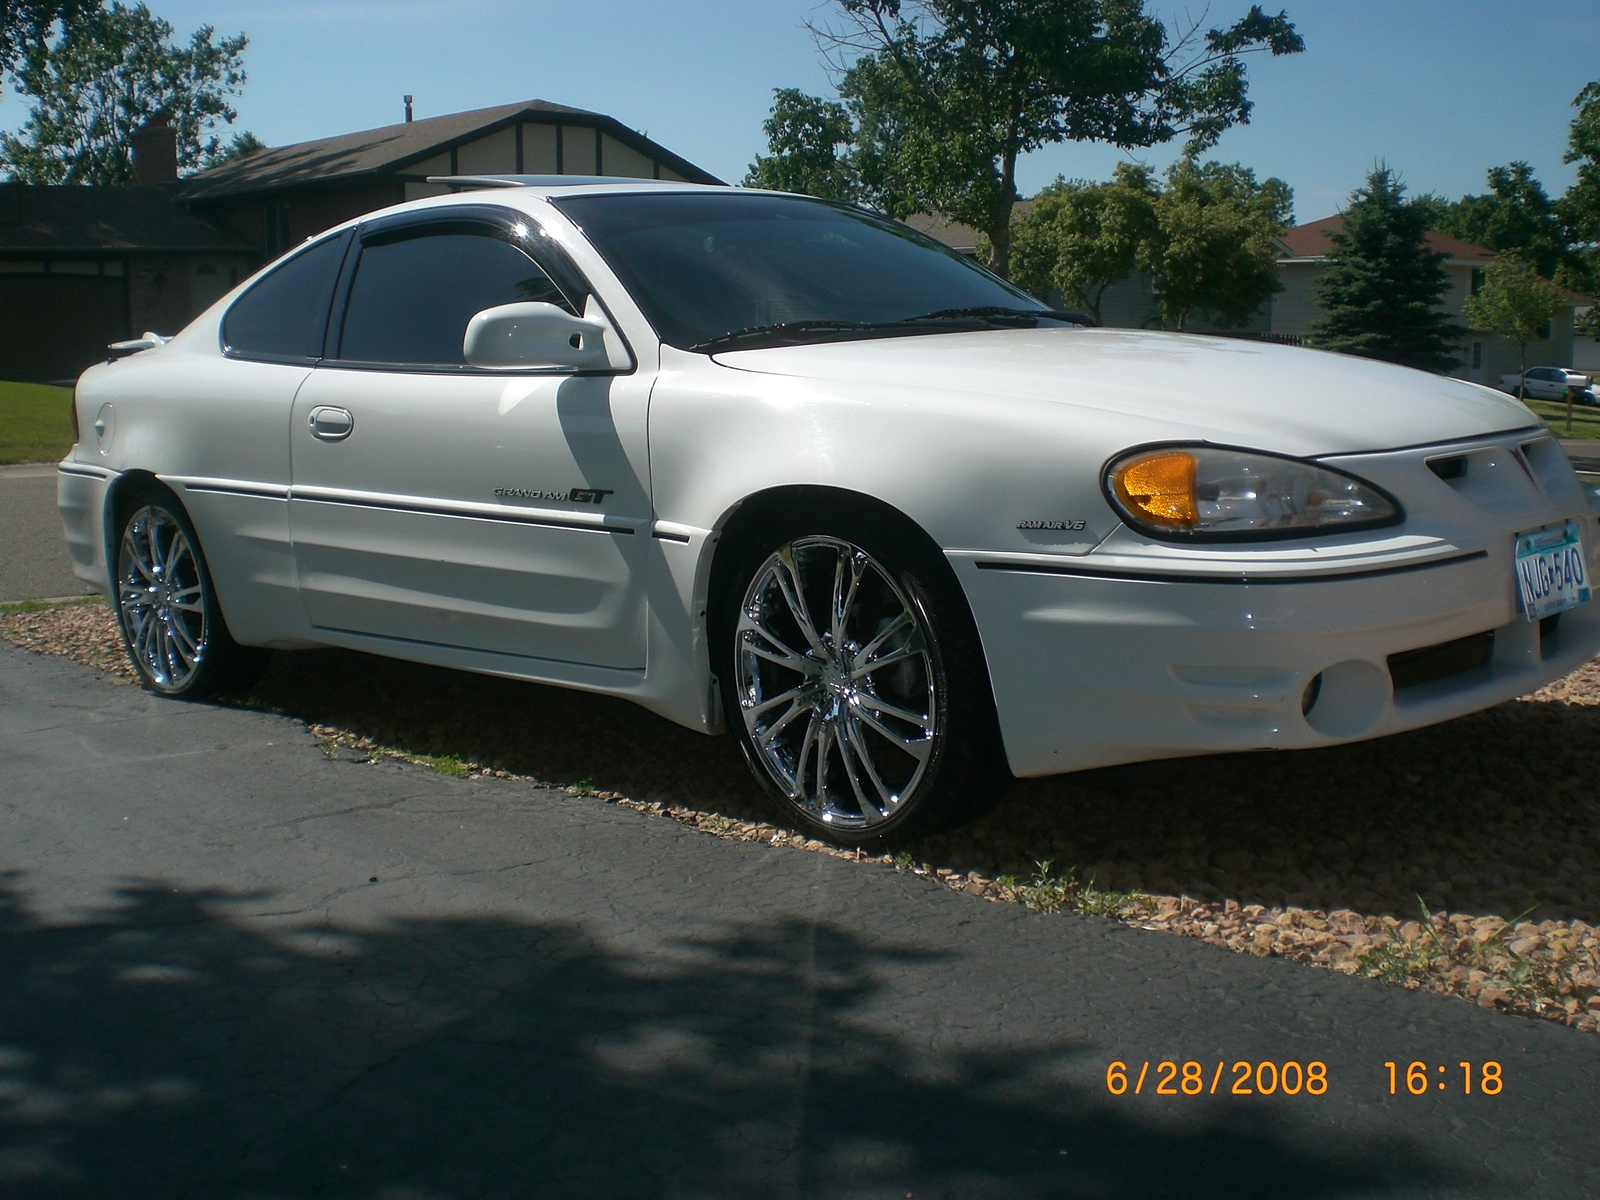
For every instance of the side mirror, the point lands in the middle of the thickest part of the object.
(535, 336)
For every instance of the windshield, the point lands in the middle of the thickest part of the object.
(749, 268)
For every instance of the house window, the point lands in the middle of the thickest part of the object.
(1544, 332)
(1477, 356)
(276, 221)
(1475, 285)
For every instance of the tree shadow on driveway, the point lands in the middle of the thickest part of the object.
(168, 1047)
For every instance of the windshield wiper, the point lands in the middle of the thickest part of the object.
(978, 317)
(1001, 314)
(780, 331)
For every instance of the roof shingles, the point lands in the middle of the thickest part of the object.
(1311, 240)
(391, 148)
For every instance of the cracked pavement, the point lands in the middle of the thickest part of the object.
(234, 966)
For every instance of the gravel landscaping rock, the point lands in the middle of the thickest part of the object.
(1461, 859)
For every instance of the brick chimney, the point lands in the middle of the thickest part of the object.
(155, 152)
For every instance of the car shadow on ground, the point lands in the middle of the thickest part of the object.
(1495, 813)
(168, 1046)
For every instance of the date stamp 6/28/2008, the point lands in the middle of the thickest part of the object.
(1171, 1077)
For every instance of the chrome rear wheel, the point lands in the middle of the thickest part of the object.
(167, 604)
(161, 600)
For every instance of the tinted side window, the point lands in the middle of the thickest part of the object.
(413, 295)
(283, 316)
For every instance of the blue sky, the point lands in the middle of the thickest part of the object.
(1440, 89)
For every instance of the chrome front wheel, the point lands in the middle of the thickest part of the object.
(837, 687)
(854, 684)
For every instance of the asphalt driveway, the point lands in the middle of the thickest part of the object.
(233, 965)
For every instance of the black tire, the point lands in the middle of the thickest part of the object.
(167, 605)
(879, 728)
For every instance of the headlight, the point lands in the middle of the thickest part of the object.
(1209, 493)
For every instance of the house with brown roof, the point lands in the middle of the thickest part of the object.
(81, 267)
(278, 197)
(1483, 357)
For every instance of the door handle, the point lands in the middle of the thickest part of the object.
(331, 424)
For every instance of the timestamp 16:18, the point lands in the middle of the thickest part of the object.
(1417, 1080)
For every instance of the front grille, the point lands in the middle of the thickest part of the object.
(1412, 668)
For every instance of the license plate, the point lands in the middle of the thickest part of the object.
(1551, 573)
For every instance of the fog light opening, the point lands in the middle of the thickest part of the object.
(1349, 699)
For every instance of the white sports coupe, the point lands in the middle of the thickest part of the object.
(787, 467)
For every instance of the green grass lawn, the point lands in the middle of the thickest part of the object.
(1585, 421)
(35, 424)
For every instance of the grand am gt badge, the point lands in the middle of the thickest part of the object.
(575, 496)
(1053, 526)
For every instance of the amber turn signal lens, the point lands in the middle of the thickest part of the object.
(1160, 488)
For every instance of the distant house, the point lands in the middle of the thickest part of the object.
(1289, 315)
(1585, 347)
(1483, 358)
(84, 266)
(278, 197)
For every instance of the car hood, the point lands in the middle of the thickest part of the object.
(1301, 402)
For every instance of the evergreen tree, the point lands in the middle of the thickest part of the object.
(1382, 287)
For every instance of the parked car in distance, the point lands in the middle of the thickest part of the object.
(1550, 383)
(786, 468)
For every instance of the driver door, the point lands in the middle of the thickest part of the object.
(434, 503)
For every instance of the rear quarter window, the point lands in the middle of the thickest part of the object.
(283, 317)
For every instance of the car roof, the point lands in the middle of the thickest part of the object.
(574, 185)
(516, 191)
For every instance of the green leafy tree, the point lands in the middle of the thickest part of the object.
(1515, 216)
(1206, 240)
(946, 95)
(1381, 289)
(808, 141)
(1580, 207)
(1082, 238)
(1213, 255)
(25, 24)
(1515, 302)
(105, 75)
(240, 145)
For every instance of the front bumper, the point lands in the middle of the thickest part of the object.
(1112, 657)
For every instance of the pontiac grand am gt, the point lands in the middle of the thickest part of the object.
(784, 466)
